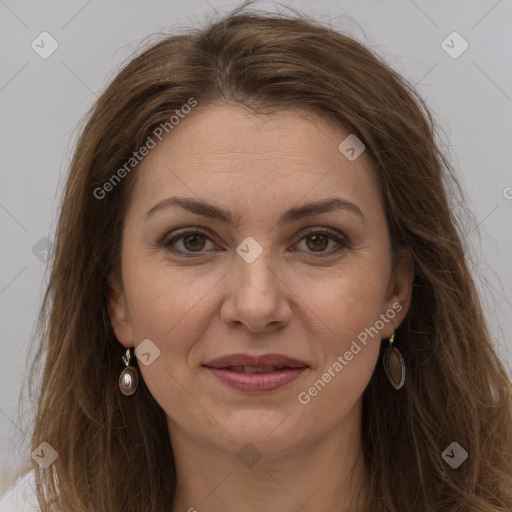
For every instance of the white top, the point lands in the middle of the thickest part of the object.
(21, 497)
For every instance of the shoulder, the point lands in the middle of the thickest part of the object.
(21, 497)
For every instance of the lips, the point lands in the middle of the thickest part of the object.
(255, 369)
(255, 364)
(256, 373)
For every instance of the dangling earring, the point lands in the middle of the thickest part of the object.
(129, 378)
(394, 363)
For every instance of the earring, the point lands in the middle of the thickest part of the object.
(129, 378)
(394, 363)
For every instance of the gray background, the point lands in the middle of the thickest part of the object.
(42, 101)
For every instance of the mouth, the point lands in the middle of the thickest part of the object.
(265, 362)
(254, 369)
(256, 374)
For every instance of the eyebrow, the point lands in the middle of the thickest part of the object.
(293, 214)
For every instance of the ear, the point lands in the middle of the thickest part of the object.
(118, 311)
(400, 289)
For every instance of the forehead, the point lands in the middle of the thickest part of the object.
(274, 159)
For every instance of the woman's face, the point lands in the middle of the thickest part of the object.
(268, 273)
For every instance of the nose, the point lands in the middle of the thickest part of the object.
(258, 298)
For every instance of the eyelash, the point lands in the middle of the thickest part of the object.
(167, 242)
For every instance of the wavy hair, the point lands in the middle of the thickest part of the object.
(115, 453)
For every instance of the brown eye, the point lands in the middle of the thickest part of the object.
(319, 242)
(194, 242)
(187, 242)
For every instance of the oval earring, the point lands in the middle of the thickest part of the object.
(129, 378)
(394, 364)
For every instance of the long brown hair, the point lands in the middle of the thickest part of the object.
(114, 452)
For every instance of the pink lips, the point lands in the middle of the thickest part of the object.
(256, 373)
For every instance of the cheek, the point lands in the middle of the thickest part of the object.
(349, 348)
(350, 307)
(350, 301)
(163, 299)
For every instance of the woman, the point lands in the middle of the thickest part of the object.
(259, 299)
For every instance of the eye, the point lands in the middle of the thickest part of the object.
(317, 240)
(193, 241)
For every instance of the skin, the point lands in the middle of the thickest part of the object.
(288, 301)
